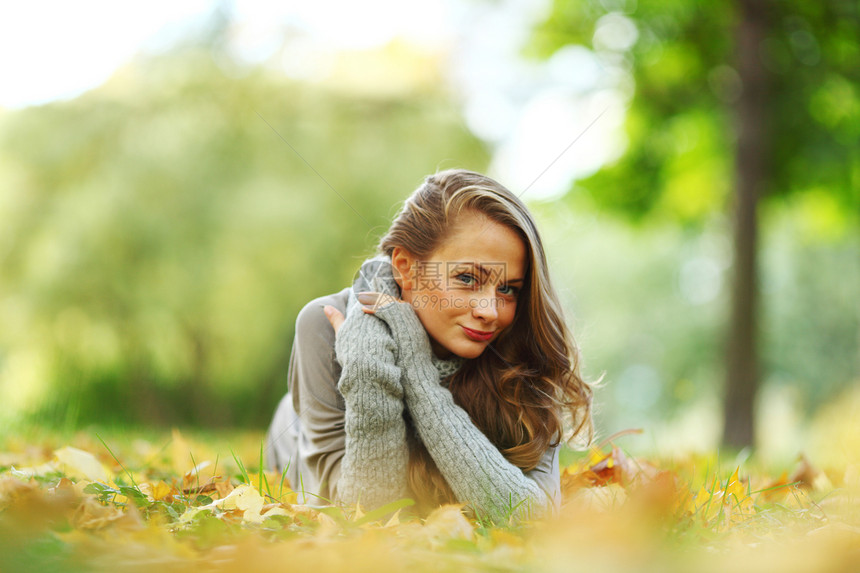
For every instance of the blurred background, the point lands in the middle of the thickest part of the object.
(178, 180)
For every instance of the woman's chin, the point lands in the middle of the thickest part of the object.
(469, 351)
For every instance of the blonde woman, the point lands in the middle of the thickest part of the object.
(446, 373)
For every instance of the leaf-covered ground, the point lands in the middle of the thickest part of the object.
(181, 502)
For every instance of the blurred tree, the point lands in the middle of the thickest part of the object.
(733, 102)
(161, 232)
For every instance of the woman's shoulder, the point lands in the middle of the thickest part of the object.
(311, 317)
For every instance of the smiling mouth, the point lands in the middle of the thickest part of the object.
(477, 335)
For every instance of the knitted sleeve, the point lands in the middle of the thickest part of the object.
(373, 470)
(474, 468)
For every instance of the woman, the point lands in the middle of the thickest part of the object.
(445, 373)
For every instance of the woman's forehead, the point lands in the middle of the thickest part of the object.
(478, 241)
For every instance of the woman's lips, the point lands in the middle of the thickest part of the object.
(477, 335)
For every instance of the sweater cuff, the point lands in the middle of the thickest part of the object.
(406, 329)
(365, 347)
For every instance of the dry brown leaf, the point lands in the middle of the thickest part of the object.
(660, 494)
(206, 488)
(605, 468)
(64, 487)
(804, 473)
(223, 488)
(192, 479)
(13, 488)
(92, 515)
(777, 489)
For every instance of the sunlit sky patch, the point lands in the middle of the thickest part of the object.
(529, 112)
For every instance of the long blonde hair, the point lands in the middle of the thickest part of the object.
(526, 389)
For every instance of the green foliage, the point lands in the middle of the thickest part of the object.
(647, 307)
(676, 179)
(680, 123)
(162, 231)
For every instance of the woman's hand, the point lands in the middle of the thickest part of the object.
(334, 316)
(370, 302)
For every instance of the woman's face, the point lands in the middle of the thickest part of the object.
(465, 293)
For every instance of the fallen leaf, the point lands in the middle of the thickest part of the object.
(180, 452)
(191, 479)
(776, 489)
(244, 499)
(603, 498)
(81, 464)
(91, 515)
(448, 522)
(157, 491)
(41, 470)
(273, 509)
(12, 488)
(394, 521)
(804, 473)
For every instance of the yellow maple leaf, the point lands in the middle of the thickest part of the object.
(155, 491)
(245, 499)
(735, 491)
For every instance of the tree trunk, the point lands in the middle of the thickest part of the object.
(751, 174)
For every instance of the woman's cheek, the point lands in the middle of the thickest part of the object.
(508, 307)
(459, 302)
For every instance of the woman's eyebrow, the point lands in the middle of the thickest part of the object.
(496, 270)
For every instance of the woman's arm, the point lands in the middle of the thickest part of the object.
(335, 449)
(306, 436)
(374, 466)
(474, 468)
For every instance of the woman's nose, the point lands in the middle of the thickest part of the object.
(484, 307)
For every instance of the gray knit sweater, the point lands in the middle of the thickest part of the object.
(387, 364)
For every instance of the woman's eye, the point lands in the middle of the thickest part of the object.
(467, 279)
(509, 290)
